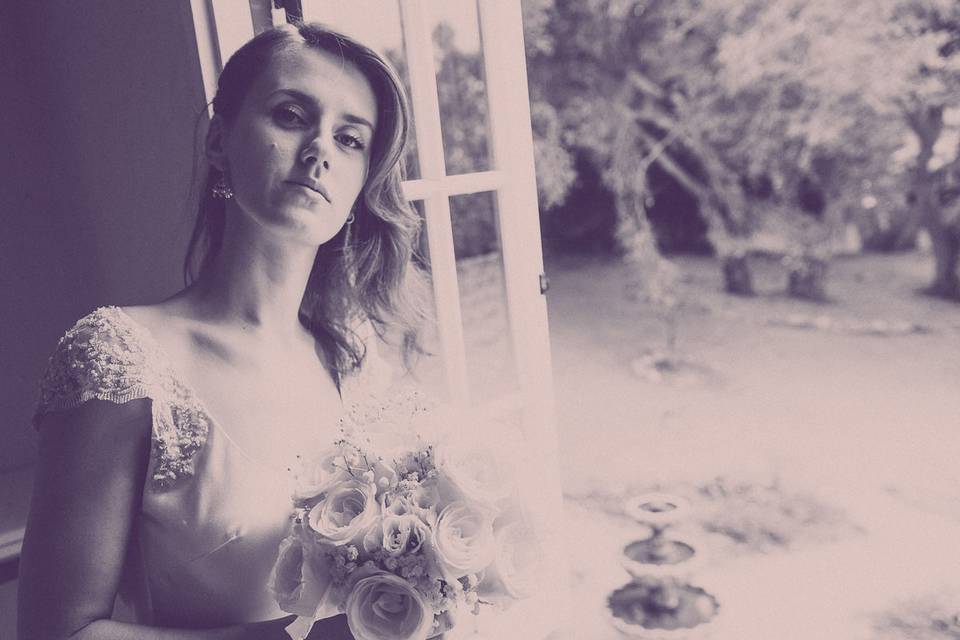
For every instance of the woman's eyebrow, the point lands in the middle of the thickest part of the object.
(349, 117)
(309, 100)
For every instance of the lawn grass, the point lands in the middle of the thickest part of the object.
(817, 442)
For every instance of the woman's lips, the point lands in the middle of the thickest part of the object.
(314, 187)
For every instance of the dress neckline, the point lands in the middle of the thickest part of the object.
(145, 336)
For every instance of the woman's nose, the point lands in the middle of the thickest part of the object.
(315, 153)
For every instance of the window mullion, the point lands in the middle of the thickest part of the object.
(460, 184)
(208, 48)
(233, 28)
(443, 264)
(261, 14)
(511, 143)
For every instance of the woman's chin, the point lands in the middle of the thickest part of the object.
(309, 225)
(313, 232)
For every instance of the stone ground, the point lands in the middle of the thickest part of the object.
(817, 443)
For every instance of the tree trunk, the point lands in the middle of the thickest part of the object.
(907, 235)
(736, 275)
(807, 279)
(722, 231)
(946, 254)
(927, 125)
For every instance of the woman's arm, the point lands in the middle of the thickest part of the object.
(88, 484)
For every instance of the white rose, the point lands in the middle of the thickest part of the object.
(474, 473)
(300, 578)
(397, 535)
(404, 534)
(421, 502)
(426, 496)
(345, 512)
(386, 607)
(463, 540)
(518, 560)
(316, 474)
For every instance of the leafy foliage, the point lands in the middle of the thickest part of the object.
(785, 120)
(782, 117)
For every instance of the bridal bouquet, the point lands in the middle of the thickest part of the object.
(403, 529)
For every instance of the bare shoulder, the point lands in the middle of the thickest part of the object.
(170, 324)
(163, 320)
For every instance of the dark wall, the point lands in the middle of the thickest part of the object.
(99, 105)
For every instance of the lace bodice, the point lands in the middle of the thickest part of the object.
(211, 517)
(108, 356)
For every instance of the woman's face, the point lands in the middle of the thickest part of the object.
(297, 152)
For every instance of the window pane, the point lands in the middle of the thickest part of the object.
(383, 33)
(491, 370)
(461, 87)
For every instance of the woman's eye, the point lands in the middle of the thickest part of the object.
(351, 141)
(289, 115)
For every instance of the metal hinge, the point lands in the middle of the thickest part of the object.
(544, 283)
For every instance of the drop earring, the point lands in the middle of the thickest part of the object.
(221, 189)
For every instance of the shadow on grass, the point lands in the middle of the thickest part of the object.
(760, 517)
(747, 516)
(932, 617)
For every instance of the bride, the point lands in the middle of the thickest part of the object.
(167, 431)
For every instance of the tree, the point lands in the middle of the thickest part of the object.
(655, 63)
(778, 116)
(884, 66)
(923, 108)
(576, 52)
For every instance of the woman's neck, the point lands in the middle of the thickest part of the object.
(256, 284)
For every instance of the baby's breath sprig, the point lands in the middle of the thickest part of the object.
(355, 459)
(366, 460)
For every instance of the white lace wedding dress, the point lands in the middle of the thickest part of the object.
(212, 517)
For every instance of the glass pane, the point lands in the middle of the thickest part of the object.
(383, 34)
(429, 368)
(461, 87)
(491, 369)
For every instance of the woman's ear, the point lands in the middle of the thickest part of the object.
(214, 145)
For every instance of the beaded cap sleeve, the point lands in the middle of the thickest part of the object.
(108, 356)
